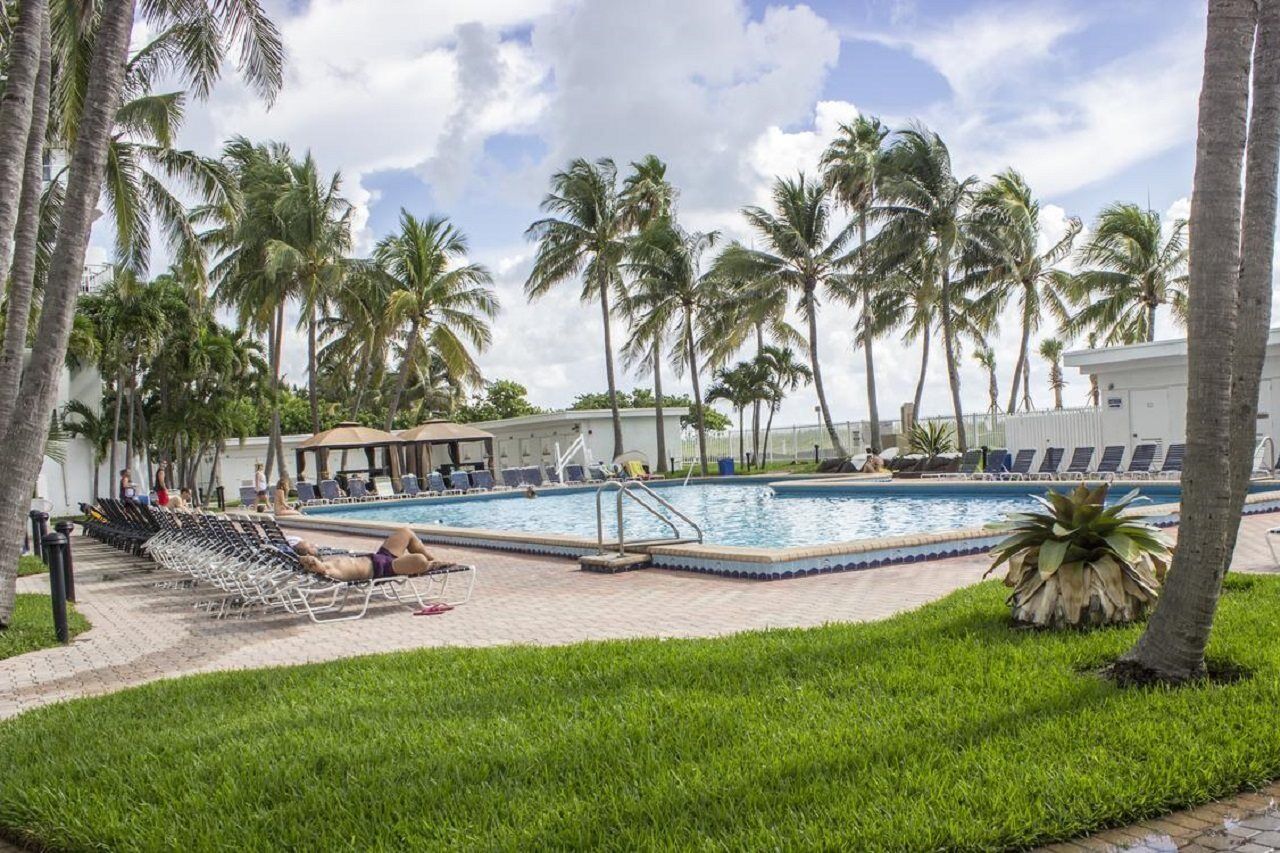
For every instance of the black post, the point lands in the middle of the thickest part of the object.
(54, 543)
(222, 499)
(815, 454)
(37, 547)
(41, 532)
(66, 528)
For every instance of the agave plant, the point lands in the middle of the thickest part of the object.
(1081, 563)
(931, 438)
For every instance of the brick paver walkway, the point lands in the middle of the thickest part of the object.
(141, 633)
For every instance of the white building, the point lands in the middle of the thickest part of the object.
(1143, 399)
(532, 439)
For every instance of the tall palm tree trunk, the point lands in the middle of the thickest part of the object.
(271, 390)
(924, 367)
(282, 464)
(755, 405)
(16, 112)
(873, 405)
(1027, 405)
(130, 420)
(312, 368)
(697, 393)
(115, 431)
(657, 407)
(26, 233)
(402, 380)
(1020, 367)
(22, 451)
(811, 310)
(1151, 322)
(1172, 646)
(953, 373)
(608, 369)
(768, 428)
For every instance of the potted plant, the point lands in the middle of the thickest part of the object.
(1081, 563)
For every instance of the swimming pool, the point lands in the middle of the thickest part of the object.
(752, 515)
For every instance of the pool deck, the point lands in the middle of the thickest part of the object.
(768, 563)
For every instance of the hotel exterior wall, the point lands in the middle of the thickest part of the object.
(531, 440)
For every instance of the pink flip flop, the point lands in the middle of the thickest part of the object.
(433, 610)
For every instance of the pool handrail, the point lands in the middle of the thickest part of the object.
(625, 487)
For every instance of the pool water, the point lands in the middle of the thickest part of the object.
(749, 515)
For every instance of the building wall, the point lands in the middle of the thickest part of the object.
(532, 440)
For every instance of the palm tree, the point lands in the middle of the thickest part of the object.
(1095, 393)
(314, 225)
(854, 165)
(96, 78)
(799, 259)
(785, 374)
(92, 426)
(437, 306)
(671, 294)
(649, 201)
(1051, 351)
(907, 298)
(584, 235)
(985, 356)
(1005, 259)
(1129, 270)
(924, 216)
(355, 335)
(740, 386)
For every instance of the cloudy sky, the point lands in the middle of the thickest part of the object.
(465, 108)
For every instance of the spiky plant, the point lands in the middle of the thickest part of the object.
(1081, 563)
(931, 438)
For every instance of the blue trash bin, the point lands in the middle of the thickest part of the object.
(725, 464)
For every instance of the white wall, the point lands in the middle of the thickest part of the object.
(532, 440)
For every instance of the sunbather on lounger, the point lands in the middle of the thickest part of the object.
(402, 553)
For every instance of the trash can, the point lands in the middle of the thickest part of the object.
(725, 464)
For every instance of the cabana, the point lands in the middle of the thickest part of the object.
(419, 441)
(351, 436)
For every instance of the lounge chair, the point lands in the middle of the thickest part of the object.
(1049, 464)
(511, 478)
(574, 474)
(1112, 456)
(1020, 468)
(461, 481)
(634, 469)
(482, 481)
(1081, 460)
(969, 463)
(357, 490)
(307, 493)
(1172, 465)
(1261, 462)
(248, 496)
(386, 490)
(330, 492)
(436, 484)
(997, 464)
(597, 473)
(1140, 463)
(532, 475)
(409, 485)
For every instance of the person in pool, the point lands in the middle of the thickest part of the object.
(402, 553)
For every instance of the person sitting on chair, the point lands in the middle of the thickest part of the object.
(401, 554)
(280, 506)
(874, 464)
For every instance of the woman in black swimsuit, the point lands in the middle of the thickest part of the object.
(402, 553)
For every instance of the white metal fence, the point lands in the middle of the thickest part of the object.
(1065, 428)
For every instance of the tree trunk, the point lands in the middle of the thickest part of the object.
(1027, 405)
(768, 427)
(742, 444)
(755, 405)
(1172, 646)
(1257, 245)
(949, 348)
(1151, 322)
(26, 234)
(811, 310)
(282, 464)
(16, 111)
(129, 450)
(608, 369)
(924, 365)
(657, 407)
(1020, 367)
(873, 405)
(402, 380)
(275, 400)
(115, 432)
(22, 451)
(697, 392)
(311, 370)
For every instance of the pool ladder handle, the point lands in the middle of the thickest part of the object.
(627, 487)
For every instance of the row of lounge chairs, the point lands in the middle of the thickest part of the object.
(459, 482)
(248, 565)
(999, 465)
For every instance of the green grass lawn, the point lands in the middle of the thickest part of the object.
(29, 565)
(32, 626)
(941, 728)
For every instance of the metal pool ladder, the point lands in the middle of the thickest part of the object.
(640, 493)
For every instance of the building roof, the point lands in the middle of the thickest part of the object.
(1138, 355)
(435, 432)
(573, 415)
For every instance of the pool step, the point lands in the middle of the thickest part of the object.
(612, 563)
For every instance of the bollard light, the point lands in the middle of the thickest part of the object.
(40, 527)
(66, 528)
(54, 543)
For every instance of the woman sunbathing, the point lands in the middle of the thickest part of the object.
(402, 553)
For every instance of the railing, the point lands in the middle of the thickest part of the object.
(625, 488)
(1264, 465)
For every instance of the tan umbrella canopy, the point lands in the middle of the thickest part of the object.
(350, 436)
(420, 439)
